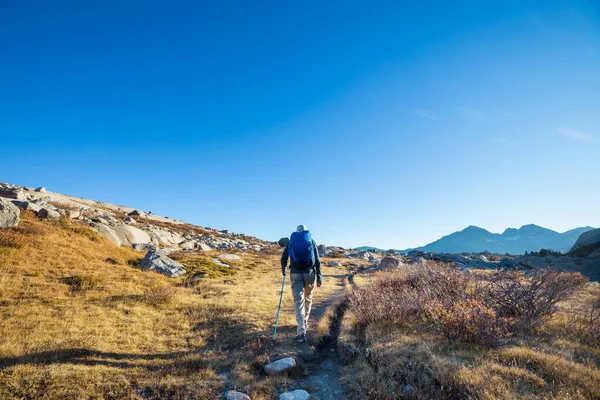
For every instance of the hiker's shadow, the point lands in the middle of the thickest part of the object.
(219, 334)
(181, 360)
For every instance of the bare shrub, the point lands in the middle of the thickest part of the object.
(584, 321)
(159, 295)
(387, 304)
(471, 321)
(531, 299)
(401, 297)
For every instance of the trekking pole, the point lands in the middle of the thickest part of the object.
(279, 308)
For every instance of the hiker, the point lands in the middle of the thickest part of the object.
(305, 269)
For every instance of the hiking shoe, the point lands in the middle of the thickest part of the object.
(301, 338)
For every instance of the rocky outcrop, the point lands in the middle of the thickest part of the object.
(587, 245)
(162, 264)
(9, 214)
(12, 193)
(122, 234)
(126, 225)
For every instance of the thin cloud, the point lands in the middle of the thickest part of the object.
(471, 113)
(424, 114)
(572, 133)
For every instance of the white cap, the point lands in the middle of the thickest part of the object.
(301, 228)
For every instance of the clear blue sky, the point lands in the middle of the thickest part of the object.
(373, 123)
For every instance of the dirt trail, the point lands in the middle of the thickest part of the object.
(320, 359)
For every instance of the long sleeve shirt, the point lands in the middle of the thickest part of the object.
(286, 255)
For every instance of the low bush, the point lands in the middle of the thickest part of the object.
(386, 304)
(81, 283)
(159, 295)
(486, 309)
(584, 321)
(530, 300)
(471, 321)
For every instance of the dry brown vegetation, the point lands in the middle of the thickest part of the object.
(494, 335)
(74, 325)
(80, 320)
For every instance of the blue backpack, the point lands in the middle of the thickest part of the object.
(301, 250)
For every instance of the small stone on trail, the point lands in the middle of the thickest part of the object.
(280, 366)
(235, 395)
(295, 395)
(229, 257)
(334, 264)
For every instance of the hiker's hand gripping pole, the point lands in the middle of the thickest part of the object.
(279, 307)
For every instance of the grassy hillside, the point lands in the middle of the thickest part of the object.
(79, 320)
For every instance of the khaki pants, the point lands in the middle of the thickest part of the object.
(302, 287)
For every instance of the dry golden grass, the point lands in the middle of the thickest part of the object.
(74, 325)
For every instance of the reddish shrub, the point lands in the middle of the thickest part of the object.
(469, 320)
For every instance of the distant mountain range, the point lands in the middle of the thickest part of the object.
(513, 241)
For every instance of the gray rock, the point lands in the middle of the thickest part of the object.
(295, 395)
(130, 221)
(361, 255)
(73, 214)
(187, 245)
(48, 213)
(41, 190)
(9, 214)
(506, 263)
(235, 395)
(137, 213)
(146, 247)
(162, 264)
(13, 193)
(229, 257)
(26, 205)
(219, 262)
(334, 264)
(417, 260)
(203, 247)
(389, 263)
(280, 366)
